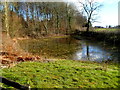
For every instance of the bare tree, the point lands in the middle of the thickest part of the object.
(90, 8)
(6, 17)
(37, 19)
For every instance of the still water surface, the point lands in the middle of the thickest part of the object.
(69, 48)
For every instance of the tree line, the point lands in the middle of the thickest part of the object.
(35, 19)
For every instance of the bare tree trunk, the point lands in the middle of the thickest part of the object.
(69, 23)
(88, 25)
(0, 35)
(6, 18)
(57, 22)
(88, 28)
(45, 26)
(66, 19)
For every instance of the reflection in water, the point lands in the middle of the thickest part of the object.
(87, 51)
(92, 53)
(69, 48)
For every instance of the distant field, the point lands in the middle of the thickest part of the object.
(108, 35)
(107, 30)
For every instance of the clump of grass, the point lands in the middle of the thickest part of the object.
(63, 74)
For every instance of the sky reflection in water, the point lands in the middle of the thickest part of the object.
(92, 53)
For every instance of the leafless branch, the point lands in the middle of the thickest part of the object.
(89, 7)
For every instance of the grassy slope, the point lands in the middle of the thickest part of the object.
(64, 74)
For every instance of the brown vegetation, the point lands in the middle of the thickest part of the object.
(36, 20)
(12, 54)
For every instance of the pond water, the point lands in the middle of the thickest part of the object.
(70, 48)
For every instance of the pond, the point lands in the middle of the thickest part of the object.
(70, 48)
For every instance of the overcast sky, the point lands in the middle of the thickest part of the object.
(108, 14)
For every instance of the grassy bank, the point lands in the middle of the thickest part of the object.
(64, 74)
(111, 36)
(107, 30)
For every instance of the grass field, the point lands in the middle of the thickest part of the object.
(106, 30)
(64, 74)
(107, 35)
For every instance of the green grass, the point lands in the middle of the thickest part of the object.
(106, 30)
(64, 74)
